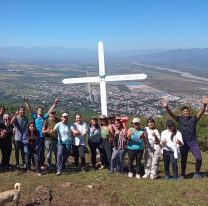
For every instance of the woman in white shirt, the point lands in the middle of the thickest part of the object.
(79, 141)
(171, 140)
(152, 150)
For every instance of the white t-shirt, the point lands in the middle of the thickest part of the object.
(63, 131)
(150, 139)
(79, 139)
(170, 145)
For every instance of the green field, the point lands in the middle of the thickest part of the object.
(114, 189)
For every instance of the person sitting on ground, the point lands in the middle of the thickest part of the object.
(106, 146)
(79, 141)
(152, 150)
(119, 147)
(39, 119)
(7, 143)
(51, 138)
(171, 140)
(188, 129)
(31, 141)
(20, 121)
(63, 129)
(135, 148)
(94, 139)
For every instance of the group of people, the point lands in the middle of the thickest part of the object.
(109, 137)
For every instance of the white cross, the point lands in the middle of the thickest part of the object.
(103, 78)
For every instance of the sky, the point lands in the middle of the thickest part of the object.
(120, 24)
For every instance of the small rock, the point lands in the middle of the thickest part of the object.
(90, 186)
(68, 184)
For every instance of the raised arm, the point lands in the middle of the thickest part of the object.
(14, 118)
(53, 106)
(165, 104)
(27, 104)
(204, 101)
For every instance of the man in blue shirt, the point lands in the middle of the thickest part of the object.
(39, 119)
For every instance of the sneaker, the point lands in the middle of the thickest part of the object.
(65, 170)
(120, 173)
(28, 170)
(138, 176)
(58, 173)
(111, 171)
(84, 169)
(24, 165)
(130, 174)
(181, 177)
(151, 177)
(101, 167)
(166, 178)
(197, 176)
(38, 174)
(175, 179)
(145, 176)
(5, 170)
(48, 167)
(43, 167)
(17, 164)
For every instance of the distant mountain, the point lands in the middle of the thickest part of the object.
(60, 53)
(177, 55)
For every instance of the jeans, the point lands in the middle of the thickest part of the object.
(36, 157)
(194, 148)
(169, 157)
(19, 146)
(106, 149)
(51, 146)
(132, 154)
(79, 151)
(62, 156)
(120, 155)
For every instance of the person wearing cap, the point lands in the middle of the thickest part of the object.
(106, 146)
(63, 129)
(50, 137)
(188, 129)
(79, 141)
(94, 139)
(6, 142)
(135, 147)
(20, 121)
(39, 119)
(152, 150)
(171, 141)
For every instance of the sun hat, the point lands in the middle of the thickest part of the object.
(103, 116)
(64, 115)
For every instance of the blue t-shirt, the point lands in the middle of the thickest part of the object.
(39, 122)
(63, 131)
(134, 143)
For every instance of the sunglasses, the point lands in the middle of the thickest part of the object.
(7, 119)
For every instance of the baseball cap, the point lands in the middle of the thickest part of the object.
(52, 111)
(64, 115)
(136, 120)
(170, 123)
(94, 117)
(103, 116)
(111, 115)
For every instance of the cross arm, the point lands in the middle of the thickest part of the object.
(125, 77)
(81, 80)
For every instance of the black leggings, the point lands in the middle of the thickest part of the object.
(79, 151)
(6, 151)
(36, 157)
(19, 146)
(93, 146)
(132, 154)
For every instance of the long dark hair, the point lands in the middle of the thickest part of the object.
(106, 122)
(28, 130)
(173, 133)
(121, 125)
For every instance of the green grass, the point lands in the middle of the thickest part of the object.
(109, 189)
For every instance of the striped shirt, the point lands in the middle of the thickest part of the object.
(121, 142)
